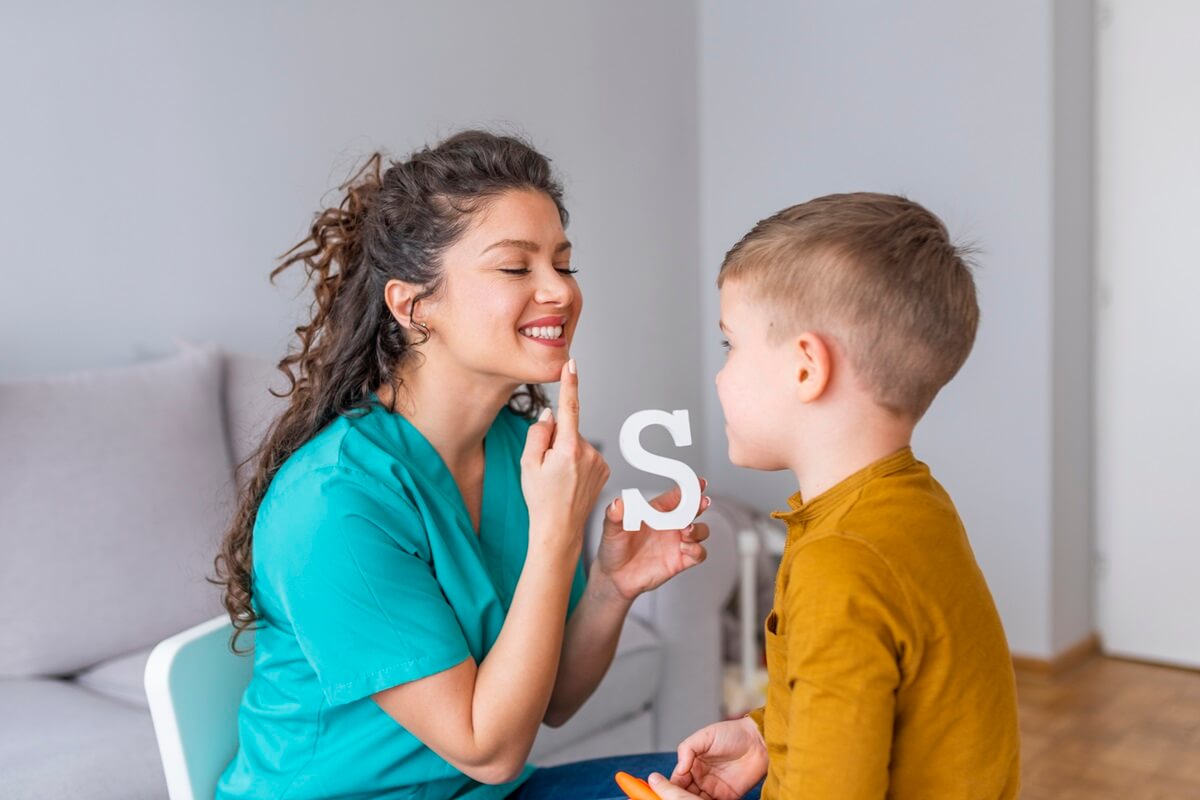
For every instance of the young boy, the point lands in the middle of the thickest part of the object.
(889, 674)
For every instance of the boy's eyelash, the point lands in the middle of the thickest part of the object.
(725, 343)
(525, 271)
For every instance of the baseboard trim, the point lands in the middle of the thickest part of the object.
(1072, 657)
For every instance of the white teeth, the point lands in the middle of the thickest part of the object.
(544, 332)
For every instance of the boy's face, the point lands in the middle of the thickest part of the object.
(757, 393)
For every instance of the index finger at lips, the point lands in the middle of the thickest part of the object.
(568, 401)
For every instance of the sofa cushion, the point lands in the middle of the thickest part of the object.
(116, 486)
(626, 691)
(58, 740)
(250, 408)
(122, 678)
(633, 735)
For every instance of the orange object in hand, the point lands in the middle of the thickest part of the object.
(635, 788)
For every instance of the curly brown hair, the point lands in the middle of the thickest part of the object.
(390, 224)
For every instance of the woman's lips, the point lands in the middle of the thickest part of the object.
(546, 325)
(559, 342)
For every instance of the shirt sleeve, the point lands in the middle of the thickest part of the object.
(352, 574)
(844, 612)
(758, 717)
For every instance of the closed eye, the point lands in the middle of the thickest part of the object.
(725, 344)
(525, 271)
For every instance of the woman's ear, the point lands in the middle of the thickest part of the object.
(399, 297)
(814, 365)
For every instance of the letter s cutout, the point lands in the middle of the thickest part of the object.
(637, 509)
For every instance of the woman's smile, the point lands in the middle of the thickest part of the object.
(547, 331)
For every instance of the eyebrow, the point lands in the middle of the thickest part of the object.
(526, 245)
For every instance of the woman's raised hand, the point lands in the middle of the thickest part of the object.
(561, 473)
(638, 561)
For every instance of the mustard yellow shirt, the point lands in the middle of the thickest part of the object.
(889, 673)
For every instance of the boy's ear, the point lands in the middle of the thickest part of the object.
(813, 367)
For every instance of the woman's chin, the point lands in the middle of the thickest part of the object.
(547, 373)
(549, 368)
(538, 363)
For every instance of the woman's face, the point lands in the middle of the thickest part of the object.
(509, 304)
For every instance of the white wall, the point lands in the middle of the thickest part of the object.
(950, 104)
(1148, 376)
(158, 157)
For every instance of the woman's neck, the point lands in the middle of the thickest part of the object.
(452, 408)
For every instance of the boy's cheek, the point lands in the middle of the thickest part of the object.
(741, 448)
(735, 454)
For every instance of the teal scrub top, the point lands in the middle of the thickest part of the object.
(368, 574)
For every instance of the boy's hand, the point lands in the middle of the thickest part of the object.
(722, 761)
(638, 561)
(667, 790)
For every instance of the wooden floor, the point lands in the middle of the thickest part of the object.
(1110, 729)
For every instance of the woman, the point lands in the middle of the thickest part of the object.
(408, 549)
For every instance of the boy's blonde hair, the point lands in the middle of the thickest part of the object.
(879, 275)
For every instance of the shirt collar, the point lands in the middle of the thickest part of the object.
(802, 512)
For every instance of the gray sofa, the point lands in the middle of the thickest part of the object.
(115, 486)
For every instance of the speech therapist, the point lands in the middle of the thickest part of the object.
(408, 548)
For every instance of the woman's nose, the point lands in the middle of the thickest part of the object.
(553, 288)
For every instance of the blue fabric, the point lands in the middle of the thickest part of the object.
(593, 780)
(367, 574)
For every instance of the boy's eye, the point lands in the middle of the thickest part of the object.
(725, 344)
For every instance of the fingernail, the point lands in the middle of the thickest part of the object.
(546, 414)
(572, 368)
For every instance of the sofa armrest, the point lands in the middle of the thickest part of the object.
(686, 614)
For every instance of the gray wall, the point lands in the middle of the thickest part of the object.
(952, 104)
(158, 157)
(1072, 552)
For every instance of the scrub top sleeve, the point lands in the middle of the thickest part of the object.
(360, 592)
(577, 586)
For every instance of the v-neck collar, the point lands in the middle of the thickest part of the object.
(442, 479)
